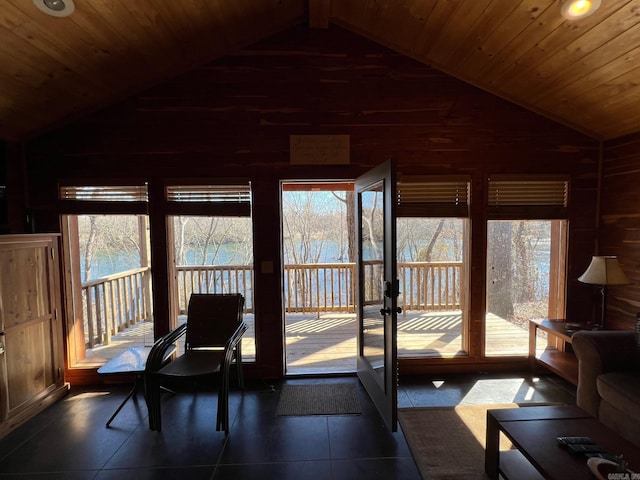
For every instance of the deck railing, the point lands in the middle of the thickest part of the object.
(113, 303)
(319, 287)
(119, 301)
(330, 287)
(215, 279)
(430, 285)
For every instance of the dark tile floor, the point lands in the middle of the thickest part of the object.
(69, 440)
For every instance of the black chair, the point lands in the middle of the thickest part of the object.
(214, 330)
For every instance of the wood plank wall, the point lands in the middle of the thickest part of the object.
(233, 117)
(620, 226)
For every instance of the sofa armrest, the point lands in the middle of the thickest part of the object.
(599, 352)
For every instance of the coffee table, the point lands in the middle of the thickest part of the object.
(533, 432)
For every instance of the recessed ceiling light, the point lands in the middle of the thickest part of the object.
(56, 8)
(575, 9)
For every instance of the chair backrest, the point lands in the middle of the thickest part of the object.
(158, 353)
(212, 318)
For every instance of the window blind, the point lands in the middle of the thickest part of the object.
(231, 199)
(82, 198)
(102, 193)
(528, 197)
(433, 196)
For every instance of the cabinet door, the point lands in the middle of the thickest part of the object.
(29, 324)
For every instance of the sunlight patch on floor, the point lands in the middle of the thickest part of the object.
(340, 351)
(428, 322)
(501, 390)
(318, 324)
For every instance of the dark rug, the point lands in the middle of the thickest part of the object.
(319, 399)
(448, 442)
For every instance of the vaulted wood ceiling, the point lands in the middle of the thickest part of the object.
(585, 74)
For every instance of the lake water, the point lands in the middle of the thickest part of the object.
(107, 264)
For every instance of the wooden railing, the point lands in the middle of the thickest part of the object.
(120, 301)
(319, 287)
(430, 286)
(114, 303)
(330, 287)
(215, 279)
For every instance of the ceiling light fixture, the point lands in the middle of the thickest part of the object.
(56, 8)
(575, 9)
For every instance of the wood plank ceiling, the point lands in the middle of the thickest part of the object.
(585, 74)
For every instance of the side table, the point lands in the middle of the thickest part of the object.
(131, 361)
(557, 356)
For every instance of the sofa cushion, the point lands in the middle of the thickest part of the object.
(622, 390)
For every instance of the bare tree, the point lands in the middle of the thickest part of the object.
(215, 235)
(303, 236)
(349, 203)
(425, 254)
(373, 218)
(90, 246)
(500, 301)
(180, 224)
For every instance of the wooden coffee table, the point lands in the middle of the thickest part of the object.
(533, 432)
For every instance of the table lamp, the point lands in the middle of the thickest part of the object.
(604, 271)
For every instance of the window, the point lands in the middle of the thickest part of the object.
(212, 237)
(526, 246)
(106, 239)
(432, 245)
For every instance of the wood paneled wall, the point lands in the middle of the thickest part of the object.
(619, 230)
(233, 117)
(14, 174)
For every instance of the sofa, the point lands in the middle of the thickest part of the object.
(609, 379)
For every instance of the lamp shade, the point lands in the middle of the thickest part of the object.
(604, 270)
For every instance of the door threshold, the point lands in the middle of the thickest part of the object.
(319, 373)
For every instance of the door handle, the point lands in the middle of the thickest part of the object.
(392, 288)
(387, 311)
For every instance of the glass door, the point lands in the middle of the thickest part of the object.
(377, 288)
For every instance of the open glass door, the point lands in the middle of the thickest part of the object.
(377, 288)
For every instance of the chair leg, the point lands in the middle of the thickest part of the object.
(225, 412)
(220, 420)
(223, 403)
(239, 370)
(153, 402)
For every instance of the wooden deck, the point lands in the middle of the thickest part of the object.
(327, 344)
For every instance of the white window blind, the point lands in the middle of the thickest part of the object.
(209, 193)
(528, 196)
(232, 199)
(83, 198)
(103, 193)
(433, 196)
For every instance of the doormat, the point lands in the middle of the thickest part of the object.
(319, 399)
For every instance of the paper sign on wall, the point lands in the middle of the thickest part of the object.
(319, 149)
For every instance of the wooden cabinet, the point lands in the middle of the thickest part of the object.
(557, 356)
(31, 351)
